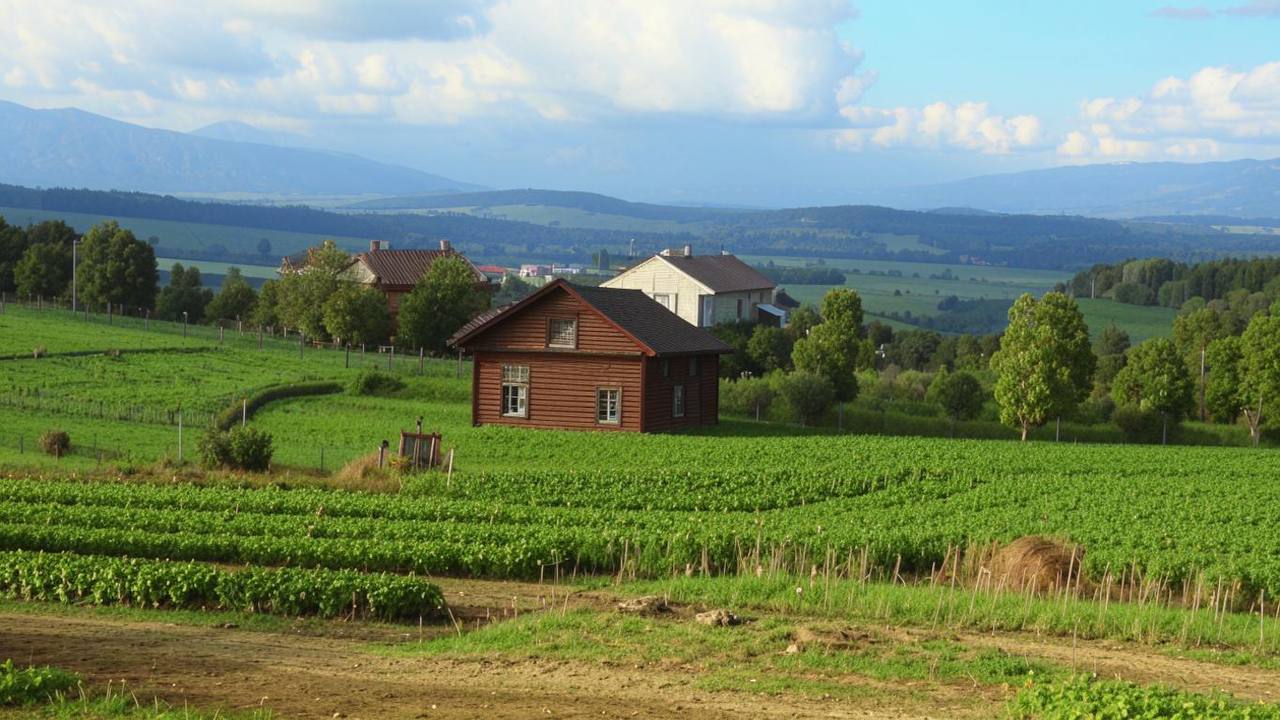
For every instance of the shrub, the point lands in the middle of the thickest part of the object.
(55, 442)
(230, 417)
(241, 448)
(807, 396)
(1136, 424)
(375, 382)
(748, 396)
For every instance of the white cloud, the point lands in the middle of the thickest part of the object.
(444, 61)
(1191, 117)
(965, 126)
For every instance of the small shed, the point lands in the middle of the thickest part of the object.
(591, 358)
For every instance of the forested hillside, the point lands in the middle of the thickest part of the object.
(857, 232)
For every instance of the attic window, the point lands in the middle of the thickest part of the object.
(562, 333)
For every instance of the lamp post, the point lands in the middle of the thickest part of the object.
(184, 324)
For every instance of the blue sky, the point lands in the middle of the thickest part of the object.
(1046, 57)
(753, 102)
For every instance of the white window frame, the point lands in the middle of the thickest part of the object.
(614, 418)
(666, 300)
(552, 341)
(677, 401)
(515, 380)
(708, 310)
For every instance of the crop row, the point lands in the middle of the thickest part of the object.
(98, 580)
(1158, 525)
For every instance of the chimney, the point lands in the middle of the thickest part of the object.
(445, 246)
(375, 245)
(688, 251)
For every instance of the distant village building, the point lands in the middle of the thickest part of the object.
(591, 358)
(494, 273)
(535, 270)
(396, 272)
(703, 289)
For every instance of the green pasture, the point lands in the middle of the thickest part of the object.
(189, 236)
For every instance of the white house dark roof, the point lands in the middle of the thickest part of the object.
(720, 273)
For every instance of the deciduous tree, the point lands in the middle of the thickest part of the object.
(302, 293)
(445, 299)
(834, 348)
(116, 267)
(357, 314)
(185, 295)
(1045, 364)
(235, 299)
(1155, 378)
(44, 270)
(1259, 370)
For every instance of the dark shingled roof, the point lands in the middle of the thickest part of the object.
(721, 273)
(638, 315)
(405, 267)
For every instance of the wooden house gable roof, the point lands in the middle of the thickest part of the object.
(654, 329)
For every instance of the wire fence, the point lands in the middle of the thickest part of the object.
(102, 410)
(238, 334)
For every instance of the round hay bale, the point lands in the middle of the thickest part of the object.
(1036, 563)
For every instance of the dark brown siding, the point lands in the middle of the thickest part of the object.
(562, 389)
(701, 393)
(527, 330)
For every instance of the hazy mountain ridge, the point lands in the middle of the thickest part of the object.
(1238, 188)
(577, 200)
(73, 148)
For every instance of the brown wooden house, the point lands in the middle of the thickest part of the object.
(591, 358)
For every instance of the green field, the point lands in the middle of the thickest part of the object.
(1171, 547)
(189, 236)
(911, 289)
(219, 269)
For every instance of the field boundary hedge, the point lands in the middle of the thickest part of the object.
(231, 415)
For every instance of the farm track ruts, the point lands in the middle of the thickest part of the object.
(309, 677)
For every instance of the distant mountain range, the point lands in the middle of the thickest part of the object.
(585, 201)
(1240, 188)
(73, 148)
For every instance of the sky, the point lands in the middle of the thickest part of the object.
(744, 102)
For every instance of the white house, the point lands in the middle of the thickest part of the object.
(703, 289)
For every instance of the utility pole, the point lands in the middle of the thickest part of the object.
(1203, 409)
(74, 244)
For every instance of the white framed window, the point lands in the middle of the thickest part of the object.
(562, 333)
(608, 405)
(666, 300)
(677, 401)
(708, 315)
(515, 391)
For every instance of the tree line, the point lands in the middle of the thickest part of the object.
(1163, 282)
(115, 269)
(1044, 367)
